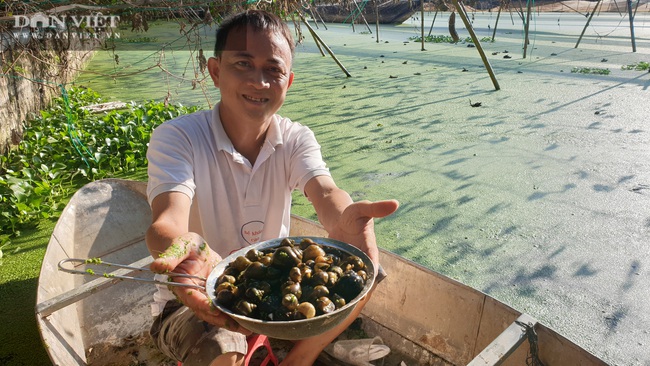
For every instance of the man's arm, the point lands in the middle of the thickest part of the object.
(345, 220)
(170, 215)
(350, 222)
(178, 250)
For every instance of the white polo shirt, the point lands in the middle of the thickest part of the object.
(234, 204)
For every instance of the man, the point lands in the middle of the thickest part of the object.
(220, 180)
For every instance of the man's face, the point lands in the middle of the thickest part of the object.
(253, 74)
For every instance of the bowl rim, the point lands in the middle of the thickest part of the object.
(272, 243)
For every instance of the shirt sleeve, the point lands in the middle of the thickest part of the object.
(170, 162)
(306, 158)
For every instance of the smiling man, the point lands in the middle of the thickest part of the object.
(221, 180)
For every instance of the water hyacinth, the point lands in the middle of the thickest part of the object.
(67, 144)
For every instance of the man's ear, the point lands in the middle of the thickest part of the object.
(290, 80)
(213, 68)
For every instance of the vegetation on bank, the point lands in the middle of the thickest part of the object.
(68, 145)
(64, 148)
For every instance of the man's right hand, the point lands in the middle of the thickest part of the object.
(190, 254)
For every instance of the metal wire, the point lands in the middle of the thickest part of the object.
(533, 352)
(98, 263)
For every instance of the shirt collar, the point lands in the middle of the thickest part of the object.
(223, 142)
(273, 135)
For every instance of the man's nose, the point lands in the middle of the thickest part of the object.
(258, 79)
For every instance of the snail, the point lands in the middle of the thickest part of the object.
(292, 281)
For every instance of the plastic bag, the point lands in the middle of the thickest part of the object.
(358, 352)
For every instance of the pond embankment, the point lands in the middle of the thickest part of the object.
(34, 70)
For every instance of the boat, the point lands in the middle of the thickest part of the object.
(424, 317)
(390, 12)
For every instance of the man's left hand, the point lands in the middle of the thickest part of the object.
(356, 225)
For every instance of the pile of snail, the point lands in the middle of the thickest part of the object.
(290, 282)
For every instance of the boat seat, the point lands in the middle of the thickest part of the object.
(256, 341)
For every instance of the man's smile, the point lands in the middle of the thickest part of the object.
(256, 100)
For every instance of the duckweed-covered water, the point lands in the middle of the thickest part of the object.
(539, 196)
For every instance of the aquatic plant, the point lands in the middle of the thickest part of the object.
(446, 39)
(639, 66)
(69, 144)
(590, 70)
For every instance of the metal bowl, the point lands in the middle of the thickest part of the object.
(293, 329)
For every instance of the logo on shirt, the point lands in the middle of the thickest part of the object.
(252, 231)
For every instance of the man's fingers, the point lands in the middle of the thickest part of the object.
(230, 324)
(206, 312)
(182, 248)
(168, 260)
(385, 208)
(378, 208)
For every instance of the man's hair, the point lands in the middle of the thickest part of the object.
(259, 20)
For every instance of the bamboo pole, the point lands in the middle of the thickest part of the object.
(433, 21)
(629, 10)
(313, 34)
(422, 23)
(362, 17)
(314, 11)
(318, 39)
(527, 27)
(460, 9)
(586, 25)
(377, 18)
(496, 23)
(313, 15)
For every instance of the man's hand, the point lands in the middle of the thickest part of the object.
(345, 220)
(356, 226)
(190, 254)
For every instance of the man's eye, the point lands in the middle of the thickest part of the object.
(276, 70)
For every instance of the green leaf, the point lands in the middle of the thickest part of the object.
(55, 152)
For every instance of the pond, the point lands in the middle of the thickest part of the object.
(532, 196)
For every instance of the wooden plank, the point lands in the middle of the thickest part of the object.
(555, 349)
(301, 226)
(497, 317)
(505, 344)
(438, 314)
(47, 307)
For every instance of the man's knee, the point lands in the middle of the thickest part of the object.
(229, 359)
